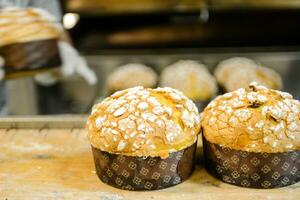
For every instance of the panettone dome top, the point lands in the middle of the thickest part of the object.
(144, 122)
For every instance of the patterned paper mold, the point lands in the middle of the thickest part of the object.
(139, 125)
(252, 138)
(144, 173)
(250, 169)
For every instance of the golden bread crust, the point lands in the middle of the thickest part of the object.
(255, 120)
(144, 122)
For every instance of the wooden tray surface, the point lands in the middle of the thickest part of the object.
(39, 162)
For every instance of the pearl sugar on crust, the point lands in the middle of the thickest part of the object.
(144, 122)
(257, 119)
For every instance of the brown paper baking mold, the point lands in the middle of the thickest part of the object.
(144, 173)
(27, 59)
(250, 169)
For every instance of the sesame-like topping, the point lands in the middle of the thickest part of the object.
(257, 119)
(175, 96)
(119, 112)
(189, 121)
(121, 145)
(99, 122)
(126, 124)
(243, 114)
(144, 122)
(259, 124)
(142, 106)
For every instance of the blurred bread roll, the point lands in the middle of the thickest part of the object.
(191, 78)
(131, 75)
(239, 72)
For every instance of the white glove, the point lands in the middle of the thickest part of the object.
(2, 62)
(72, 63)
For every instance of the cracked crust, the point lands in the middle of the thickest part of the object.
(239, 72)
(190, 77)
(131, 75)
(254, 120)
(19, 25)
(144, 122)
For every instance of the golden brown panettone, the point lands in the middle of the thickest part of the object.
(18, 25)
(131, 75)
(191, 78)
(239, 72)
(254, 120)
(144, 122)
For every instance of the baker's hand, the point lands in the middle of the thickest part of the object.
(72, 63)
(1, 68)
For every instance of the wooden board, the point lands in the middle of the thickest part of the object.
(57, 164)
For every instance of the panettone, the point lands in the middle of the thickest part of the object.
(251, 138)
(254, 120)
(144, 139)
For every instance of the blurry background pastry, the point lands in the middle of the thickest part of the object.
(191, 78)
(239, 72)
(28, 40)
(131, 75)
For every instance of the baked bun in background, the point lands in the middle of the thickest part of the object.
(255, 132)
(239, 72)
(191, 78)
(149, 133)
(131, 75)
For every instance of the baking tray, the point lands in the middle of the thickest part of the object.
(50, 158)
